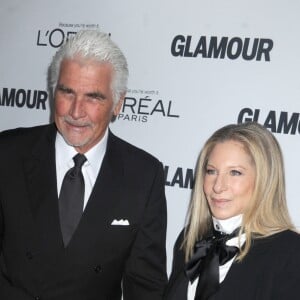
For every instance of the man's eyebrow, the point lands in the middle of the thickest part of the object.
(64, 88)
(98, 95)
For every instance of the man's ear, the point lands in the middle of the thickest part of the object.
(118, 106)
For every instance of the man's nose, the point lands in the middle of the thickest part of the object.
(77, 110)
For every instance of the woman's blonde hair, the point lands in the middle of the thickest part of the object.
(267, 213)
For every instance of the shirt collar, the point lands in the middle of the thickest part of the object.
(228, 225)
(95, 154)
(65, 153)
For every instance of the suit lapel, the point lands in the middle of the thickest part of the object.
(40, 173)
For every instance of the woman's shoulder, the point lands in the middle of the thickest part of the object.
(283, 241)
(285, 236)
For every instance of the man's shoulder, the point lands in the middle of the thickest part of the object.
(132, 152)
(24, 131)
(23, 135)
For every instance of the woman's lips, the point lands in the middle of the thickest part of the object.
(220, 202)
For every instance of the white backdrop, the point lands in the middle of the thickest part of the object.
(194, 66)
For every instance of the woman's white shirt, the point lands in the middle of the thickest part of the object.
(226, 226)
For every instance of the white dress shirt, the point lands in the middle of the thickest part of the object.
(64, 154)
(226, 226)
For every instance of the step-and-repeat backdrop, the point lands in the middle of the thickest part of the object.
(195, 66)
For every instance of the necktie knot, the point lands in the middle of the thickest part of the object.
(79, 160)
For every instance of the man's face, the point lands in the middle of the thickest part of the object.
(83, 102)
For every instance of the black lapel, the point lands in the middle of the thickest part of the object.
(40, 173)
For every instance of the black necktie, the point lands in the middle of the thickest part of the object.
(71, 199)
(209, 254)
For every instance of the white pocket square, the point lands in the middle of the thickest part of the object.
(120, 222)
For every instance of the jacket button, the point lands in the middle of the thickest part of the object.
(37, 298)
(29, 255)
(97, 269)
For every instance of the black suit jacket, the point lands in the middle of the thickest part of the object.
(270, 271)
(100, 257)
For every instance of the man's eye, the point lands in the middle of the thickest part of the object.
(96, 96)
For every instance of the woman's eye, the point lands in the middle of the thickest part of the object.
(235, 173)
(210, 171)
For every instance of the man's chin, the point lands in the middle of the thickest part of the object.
(76, 143)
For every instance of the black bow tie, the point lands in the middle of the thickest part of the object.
(208, 255)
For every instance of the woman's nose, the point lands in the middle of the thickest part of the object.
(221, 183)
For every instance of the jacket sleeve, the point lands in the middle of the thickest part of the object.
(287, 278)
(7, 291)
(145, 271)
(178, 282)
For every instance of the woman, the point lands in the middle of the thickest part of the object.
(239, 242)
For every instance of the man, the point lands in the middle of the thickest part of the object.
(95, 230)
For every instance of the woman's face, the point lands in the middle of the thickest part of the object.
(229, 180)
